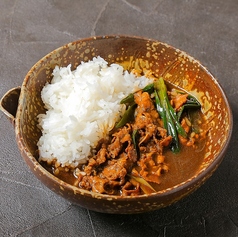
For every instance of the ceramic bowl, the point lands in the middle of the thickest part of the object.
(23, 104)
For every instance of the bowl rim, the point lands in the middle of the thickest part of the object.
(192, 181)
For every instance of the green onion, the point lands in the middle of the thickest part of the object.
(127, 116)
(135, 140)
(191, 103)
(144, 185)
(172, 123)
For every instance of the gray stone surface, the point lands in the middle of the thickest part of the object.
(206, 29)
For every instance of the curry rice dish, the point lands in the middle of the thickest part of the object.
(144, 133)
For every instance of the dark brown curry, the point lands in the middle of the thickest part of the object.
(137, 157)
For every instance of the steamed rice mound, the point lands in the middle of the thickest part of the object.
(82, 106)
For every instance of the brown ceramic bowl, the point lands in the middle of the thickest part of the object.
(131, 52)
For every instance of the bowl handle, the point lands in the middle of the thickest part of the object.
(9, 103)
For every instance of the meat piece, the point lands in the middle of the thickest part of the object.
(110, 178)
(102, 185)
(185, 125)
(153, 178)
(85, 183)
(165, 141)
(151, 167)
(130, 189)
(117, 169)
(179, 100)
(92, 164)
(149, 132)
(147, 120)
(95, 161)
(162, 132)
(131, 152)
(187, 141)
(120, 137)
(143, 101)
(98, 184)
(145, 112)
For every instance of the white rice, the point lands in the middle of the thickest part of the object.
(82, 107)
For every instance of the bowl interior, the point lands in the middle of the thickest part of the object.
(131, 52)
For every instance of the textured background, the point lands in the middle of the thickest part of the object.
(206, 29)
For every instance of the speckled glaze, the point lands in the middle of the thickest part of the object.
(131, 52)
